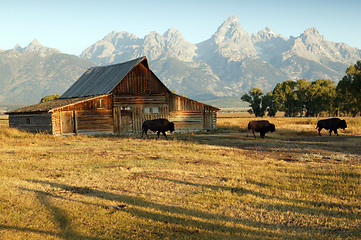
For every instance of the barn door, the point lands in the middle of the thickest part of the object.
(67, 122)
(126, 120)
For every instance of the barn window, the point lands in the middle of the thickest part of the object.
(155, 109)
(126, 108)
(100, 103)
(147, 110)
(28, 121)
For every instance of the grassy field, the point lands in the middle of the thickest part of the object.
(293, 184)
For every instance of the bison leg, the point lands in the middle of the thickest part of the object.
(144, 131)
(330, 132)
(262, 134)
(165, 135)
(319, 131)
(158, 133)
(253, 133)
(335, 131)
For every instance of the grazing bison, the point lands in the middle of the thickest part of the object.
(261, 126)
(331, 124)
(157, 125)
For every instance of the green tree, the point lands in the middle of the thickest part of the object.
(321, 96)
(269, 102)
(50, 97)
(301, 89)
(349, 90)
(286, 98)
(255, 100)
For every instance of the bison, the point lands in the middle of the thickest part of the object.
(331, 124)
(261, 126)
(160, 125)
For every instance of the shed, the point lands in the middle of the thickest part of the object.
(114, 99)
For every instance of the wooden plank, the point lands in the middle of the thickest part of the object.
(67, 122)
(126, 121)
(97, 127)
(116, 119)
(186, 120)
(32, 122)
(123, 100)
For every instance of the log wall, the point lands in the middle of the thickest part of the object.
(190, 115)
(89, 117)
(131, 111)
(32, 122)
(140, 81)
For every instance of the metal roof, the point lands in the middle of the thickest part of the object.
(49, 106)
(102, 80)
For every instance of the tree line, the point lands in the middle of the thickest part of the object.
(310, 99)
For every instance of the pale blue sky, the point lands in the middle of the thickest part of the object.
(73, 25)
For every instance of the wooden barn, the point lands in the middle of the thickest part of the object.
(114, 99)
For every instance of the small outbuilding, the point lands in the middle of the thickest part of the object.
(114, 99)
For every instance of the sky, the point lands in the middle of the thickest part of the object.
(71, 26)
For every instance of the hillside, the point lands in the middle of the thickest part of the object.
(30, 73)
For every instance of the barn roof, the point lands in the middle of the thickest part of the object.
(49, 105)
(102, 80)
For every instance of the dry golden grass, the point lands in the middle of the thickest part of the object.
(305, 126)
(215, 185)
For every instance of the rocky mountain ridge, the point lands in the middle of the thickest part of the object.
(30, 73)
(229, 63)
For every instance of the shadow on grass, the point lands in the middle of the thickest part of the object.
(235, 137)
(59, 217)
(48, 233)
(274, 142)
(203, 221)
(285, 207)
(190, 218)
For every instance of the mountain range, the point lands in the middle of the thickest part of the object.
(30, 73)
(229, 63)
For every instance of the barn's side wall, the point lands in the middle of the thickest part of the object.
(32, 122)
(190, 115)
(88, 117)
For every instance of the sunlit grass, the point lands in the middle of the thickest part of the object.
(305, 126)
(217, 185)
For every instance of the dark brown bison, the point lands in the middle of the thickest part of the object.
(331, 124)
(160, 125)
(261, 126)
